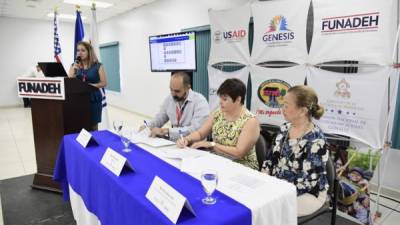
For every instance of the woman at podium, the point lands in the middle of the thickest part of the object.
(88, 69)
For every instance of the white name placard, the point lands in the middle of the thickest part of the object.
(45, 88)
(169, 201)
(114, 162)
(84, 138)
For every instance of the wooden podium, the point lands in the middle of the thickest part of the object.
(51, 120)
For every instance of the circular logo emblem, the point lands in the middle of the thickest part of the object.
(217, 36)
(271, 92)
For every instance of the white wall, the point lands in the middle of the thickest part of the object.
(24, 42)
(141, 90)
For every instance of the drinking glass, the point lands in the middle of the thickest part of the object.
(126, 135)
(209, 181)
(117, 124)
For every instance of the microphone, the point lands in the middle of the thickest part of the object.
(78, 59)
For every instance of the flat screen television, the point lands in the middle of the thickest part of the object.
(173, 52)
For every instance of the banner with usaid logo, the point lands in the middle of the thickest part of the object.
(361, 30)
(216, 77)
(280, 31)
(230, 35)
(269, 86)
(356, 105)
(43, 88)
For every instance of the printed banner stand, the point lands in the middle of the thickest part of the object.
(216, 77)
(269, 86)
(356, 105)
(229, 35)
(361, 30)
(280, 31)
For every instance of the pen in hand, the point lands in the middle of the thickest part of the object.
(146, 130)
(182, 139)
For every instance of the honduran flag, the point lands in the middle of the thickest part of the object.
(94, 41)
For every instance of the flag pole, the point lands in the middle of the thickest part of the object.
(56, 38)
(94, 41)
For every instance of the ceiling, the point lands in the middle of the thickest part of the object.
(38, 9)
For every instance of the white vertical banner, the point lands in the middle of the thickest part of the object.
(362, 30)
(280, 31)
(216, 77)
(230, 35)
(356, 105)
(269, 86)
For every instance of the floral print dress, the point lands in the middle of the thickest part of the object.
(227, 133)
(300, 161)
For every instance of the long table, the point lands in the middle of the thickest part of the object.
(244, 196)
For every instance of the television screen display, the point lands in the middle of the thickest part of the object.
(171, 52)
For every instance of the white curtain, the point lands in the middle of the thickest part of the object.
(356, 105)
(362, 30)
(280, 31)
(229, 35)
(216, 77)
(269, 86)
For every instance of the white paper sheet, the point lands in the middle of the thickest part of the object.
(154, 142)
(179, 153)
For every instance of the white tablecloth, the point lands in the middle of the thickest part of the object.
(271, 201)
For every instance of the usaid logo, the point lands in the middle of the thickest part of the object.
(217, 36)
(52, 88)
(278, 30)
(352, 23)
(230, 36)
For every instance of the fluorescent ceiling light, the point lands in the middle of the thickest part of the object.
(64, 16)
(88, 3)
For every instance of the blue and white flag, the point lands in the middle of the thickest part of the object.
(94, 41)
(79, 32)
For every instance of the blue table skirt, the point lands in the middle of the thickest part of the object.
(121, 200)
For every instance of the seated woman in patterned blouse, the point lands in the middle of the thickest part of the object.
(299, 154)
(234, 129)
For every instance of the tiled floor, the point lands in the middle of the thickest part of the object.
(17, 154)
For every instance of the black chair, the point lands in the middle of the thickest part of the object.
(261, 151)
(332, 193)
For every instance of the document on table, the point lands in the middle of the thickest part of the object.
(181, 153)
(208, 161)
(242, 183)
(154, 142)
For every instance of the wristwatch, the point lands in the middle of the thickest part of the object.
(212, 144)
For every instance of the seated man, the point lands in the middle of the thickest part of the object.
(186, 109)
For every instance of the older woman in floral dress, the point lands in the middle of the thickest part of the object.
(299, 154)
